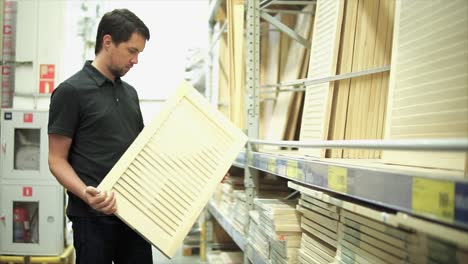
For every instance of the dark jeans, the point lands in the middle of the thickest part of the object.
(103, 239)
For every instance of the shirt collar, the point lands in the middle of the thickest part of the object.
(96, 75)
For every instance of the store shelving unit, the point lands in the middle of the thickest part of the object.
(396, 188)
(226, 223)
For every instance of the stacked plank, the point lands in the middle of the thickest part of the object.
(257, 237)
(349, 36)
(225, 195)
(281, 224)
(366, 235)
(319, 223)
(365, 240)
(241, 211)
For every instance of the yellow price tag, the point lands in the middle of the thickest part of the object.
(271, 164)
(434, 197)
(338, 179)
(291, 169)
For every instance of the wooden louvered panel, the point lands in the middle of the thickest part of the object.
(166, 177)
(323, 60)
(429, 91)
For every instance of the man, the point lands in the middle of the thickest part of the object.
(94, 117)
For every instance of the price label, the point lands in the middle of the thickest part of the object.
(434, 197)
(291, 169)
(338, 179)
(271, 164)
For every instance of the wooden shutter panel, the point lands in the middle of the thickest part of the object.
(428, 82)
(165, 178)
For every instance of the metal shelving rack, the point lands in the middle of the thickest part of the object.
(403, 186)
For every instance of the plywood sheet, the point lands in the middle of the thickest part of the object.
(323, 60)
(428, 88)
(165, 178)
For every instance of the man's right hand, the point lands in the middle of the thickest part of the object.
(100, 201)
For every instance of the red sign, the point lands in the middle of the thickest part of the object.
(46, 78)
(28, 117)
(7, 29)
(27, 191)
(46, 86)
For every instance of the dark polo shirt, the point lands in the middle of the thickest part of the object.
(103, 118)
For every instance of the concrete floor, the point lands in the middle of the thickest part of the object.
(159, 258)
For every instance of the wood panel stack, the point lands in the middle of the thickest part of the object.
(428, 85)
(257, 237)
(281, 224)
(319, 223)
(226, 195)
(241, 211)
(364, 239)
(369, 235)
(349, 36)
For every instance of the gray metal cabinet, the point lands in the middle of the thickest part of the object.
(31, 200)
(32, 219)
(24, 145)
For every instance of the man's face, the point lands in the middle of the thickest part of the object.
(125, 55)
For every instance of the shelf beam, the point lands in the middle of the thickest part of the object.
(283, 28)
(307, 82)
(394, 187)
(453, 145)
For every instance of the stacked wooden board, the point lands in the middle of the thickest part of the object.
(256, 236)
(240, 211)
(319, 223)
(428, 85)
(280, 223)
(349, 36)
(366, 235)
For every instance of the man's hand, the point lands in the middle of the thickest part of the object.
(102, 202)
(226, 177)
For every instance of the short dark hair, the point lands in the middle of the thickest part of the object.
(120, 24)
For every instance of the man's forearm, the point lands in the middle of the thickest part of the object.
(67, 177)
